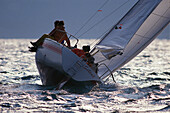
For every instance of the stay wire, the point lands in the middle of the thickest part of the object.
(104, 18)
(91, 18)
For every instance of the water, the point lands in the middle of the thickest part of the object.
(143, 85)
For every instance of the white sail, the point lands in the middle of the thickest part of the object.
(139, 27)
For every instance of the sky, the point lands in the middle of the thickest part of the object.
(33, 18)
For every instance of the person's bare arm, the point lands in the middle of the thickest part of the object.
(68, 42)
(66, 39)
(52, 32)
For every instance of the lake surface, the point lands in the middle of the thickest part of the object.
(142, 85)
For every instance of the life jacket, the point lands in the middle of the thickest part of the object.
(79, 52)
(83, 55)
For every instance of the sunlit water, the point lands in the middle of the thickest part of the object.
(143, 85)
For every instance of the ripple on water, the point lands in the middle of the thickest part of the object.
(142, 84)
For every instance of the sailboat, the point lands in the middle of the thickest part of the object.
(59, 66)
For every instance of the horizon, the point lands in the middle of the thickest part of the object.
(32, 19)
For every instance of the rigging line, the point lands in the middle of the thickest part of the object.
(96, 40)
(91, 18)
(117, 23)
(111, 28)
(104, 18)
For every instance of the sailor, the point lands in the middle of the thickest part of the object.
(90, 59)
(86, 56)
(58, 34)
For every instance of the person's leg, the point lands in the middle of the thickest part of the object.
(40, 40)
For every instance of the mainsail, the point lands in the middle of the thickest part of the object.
(134, 32)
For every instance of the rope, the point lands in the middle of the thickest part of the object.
(91, 18)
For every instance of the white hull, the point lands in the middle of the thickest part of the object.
(57, 64)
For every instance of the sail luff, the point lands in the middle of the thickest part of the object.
(139, 50)
(116, 40)
(142, 24)
(147, 32)
(116, 24)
